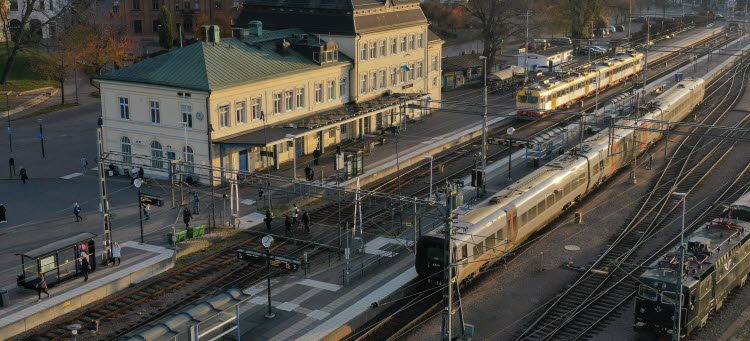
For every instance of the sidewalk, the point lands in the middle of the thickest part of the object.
(139, 262)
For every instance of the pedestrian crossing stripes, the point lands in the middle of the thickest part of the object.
(70, 176)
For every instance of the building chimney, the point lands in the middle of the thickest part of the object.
(256, 28)
(210, 34)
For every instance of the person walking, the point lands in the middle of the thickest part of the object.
(268, 220)
(306, 221)
(116, 253)
(316, 156)
(12, 166)
(77, 212)
(308, 170)
(312, 174)
(133, 175)
(85, 266)
(146, 211)
(186, 216)
(23, 174)
(295, 214)
(41, 287)
(196, 202)
(84, 165)
(2, 214)
(287, 226)
(260, 194)
(650, 161)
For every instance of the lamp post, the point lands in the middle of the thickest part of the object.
(429, 157)
(7, 112)
(294, 153)
(510, 132)
(682, 263)
(41, 136)
(267, 241)
(137, 183)
(484, 124)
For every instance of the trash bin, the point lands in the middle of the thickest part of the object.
(4, 298)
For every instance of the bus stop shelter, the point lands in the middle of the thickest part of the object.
(59, 261)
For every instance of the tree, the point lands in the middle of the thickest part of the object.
(166, 28)
(199, 21)
(584, 14)
(27, 34)
(497, 19)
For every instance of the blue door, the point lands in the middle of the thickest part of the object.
(243, 160)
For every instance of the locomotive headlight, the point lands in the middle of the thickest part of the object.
(643, 311)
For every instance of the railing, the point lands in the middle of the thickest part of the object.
(364, 265)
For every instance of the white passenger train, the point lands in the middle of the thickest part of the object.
(537, 99)
(489, 232)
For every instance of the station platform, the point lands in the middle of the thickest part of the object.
(139, 262)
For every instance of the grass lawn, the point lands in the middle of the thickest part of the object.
(26, 73)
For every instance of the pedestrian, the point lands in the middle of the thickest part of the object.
(650, 161)
(12, 166)
(77, 212)
(196, 202)
(41, 287)
(146, 211)
(85, 266)
(24, 175)
(84, 165)
(316, 156)
(133, 175)
(140, 173)
(2, 214)
(260, 194)
(287, 226)
(116, 254)
(312, 175)
(186, 216)
(308, 170)
(295, 214)
(268, 220)
(306, 220)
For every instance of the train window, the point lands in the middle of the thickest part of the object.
(567, 188)
(647, 293)
(668, 297)
(582, 178)
(501, 235)
(476, 251)
(541, 207)
(550, 200)
(532, 213)
(533, 99)
(595, 171)
(523, 219)
(490, 242)
(521, 99)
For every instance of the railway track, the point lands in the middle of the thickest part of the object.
(122, 314)
(610, 281)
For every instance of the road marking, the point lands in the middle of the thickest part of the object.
(70, 176)
(248, 202)
(320, 285)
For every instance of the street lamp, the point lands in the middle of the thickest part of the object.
(41, 136)
(429, 157)
(484, 123)
(267, 241)
(510, 132)
(137, 183)
(7, 112)
(294, 153)
(682, 261)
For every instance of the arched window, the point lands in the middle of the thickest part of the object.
(156, 155)
(187, 156)
(126, 149)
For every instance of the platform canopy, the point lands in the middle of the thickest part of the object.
(60, 244)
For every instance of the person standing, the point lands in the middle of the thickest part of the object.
(287, 226)
(306, 221)
(312, 174)
(196, 202)
(268, 220)
(308, 171)
(41, 287)
(2, 214)
(316, 156)
(77, 212)
(146, 211)
(186, 216)
(12, 166)
(133, 175)
(85, 266)
(23, 174)
(295, 214)
(84, 165)
(140, 173)
(116, 253)
(260, 194)
(650, 161)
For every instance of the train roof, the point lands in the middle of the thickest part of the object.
(676, 92)
(706, 247)
(587, 72)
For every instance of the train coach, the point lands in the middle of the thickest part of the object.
(496, 227)
(716, 261)
(537, 99)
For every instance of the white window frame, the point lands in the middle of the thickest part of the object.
(127, 149)
(240, 111)
(278, 103)
(419, 70)
(363, 51)
(373, 50)
(420, 40)
(256, 108)
(403, 44)
(319, 93)
(225, 120)
(394, 45)
(343, 90)
(383, 48)
(331, 90)
(157, 155)
(383, 79)
(300, 98)
(124, 104)
(155, 110)
(186, 111)
(363, 83)
(412, 72)
(289, 100)
(434, 63)
(394, 76)
(374, 80)
(412, 42)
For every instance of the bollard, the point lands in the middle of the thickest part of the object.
(578, 218)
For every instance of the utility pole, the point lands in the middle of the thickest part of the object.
(648, 41)
(446, 330)
(526, 51)
(682, 264)
(107, 226)
(484, 125)
(10, 131)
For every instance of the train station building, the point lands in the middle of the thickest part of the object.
(295, 77)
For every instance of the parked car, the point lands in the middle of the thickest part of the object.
(600, 49)
(562, 41)
(611, 29)
(639, 19)
(620, 28)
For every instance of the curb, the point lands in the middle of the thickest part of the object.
(34, 90)
(29, 104)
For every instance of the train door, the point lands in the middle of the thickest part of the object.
(510, 222)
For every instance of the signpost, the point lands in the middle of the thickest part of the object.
(277, 261)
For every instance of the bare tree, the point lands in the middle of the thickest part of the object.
(498, 19)
(29, 10)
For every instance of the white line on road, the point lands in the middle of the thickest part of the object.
(70, 176)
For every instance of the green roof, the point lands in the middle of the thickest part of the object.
(212, 66)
